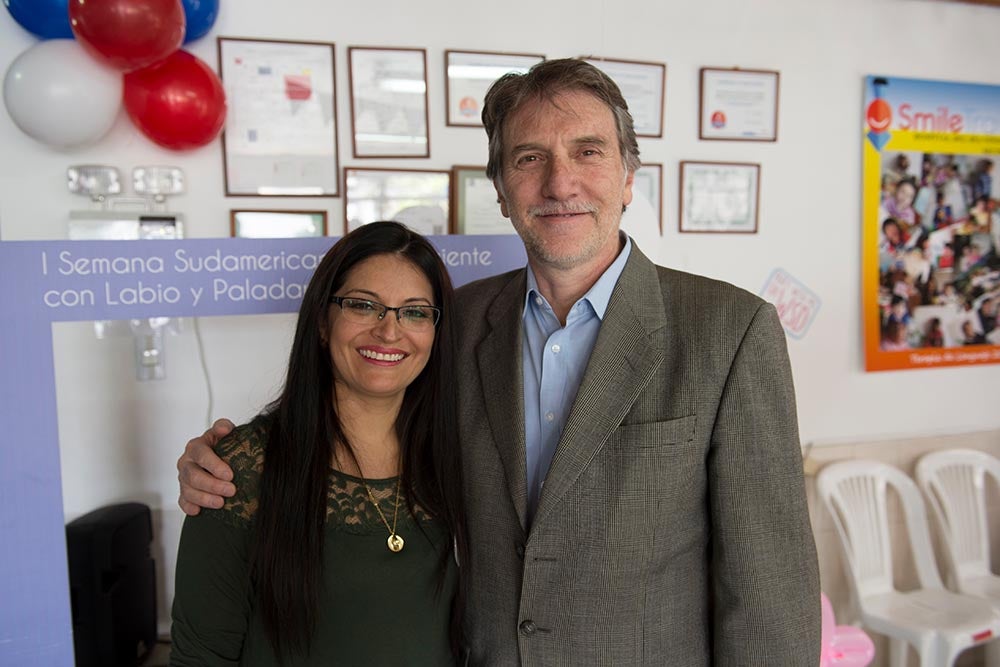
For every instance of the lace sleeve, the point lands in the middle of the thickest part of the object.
(243, 450)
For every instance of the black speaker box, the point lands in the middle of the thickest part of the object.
(112, 579)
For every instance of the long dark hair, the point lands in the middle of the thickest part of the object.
(304, 429)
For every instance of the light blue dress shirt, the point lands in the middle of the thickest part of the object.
(554, 359)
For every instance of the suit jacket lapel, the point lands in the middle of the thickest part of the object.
(624, 358)
(500, 368)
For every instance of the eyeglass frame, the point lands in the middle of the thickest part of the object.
(385, 309)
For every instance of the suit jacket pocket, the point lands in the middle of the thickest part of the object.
(652, 435)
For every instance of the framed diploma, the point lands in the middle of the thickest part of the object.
(281, 128)
(738, 104)
(469, 74)
(389, 102)
(474, 205)
(418, 198)
(648, 182)
(719, 197)
(270, 224)
(644, 86)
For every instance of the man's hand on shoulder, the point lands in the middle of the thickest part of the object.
(205, 479)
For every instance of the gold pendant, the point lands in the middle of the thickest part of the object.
(395, 543)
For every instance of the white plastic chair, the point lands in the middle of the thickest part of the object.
(954, 483)
(939, 624)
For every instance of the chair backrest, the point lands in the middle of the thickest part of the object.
(855, 493)
(954, 482)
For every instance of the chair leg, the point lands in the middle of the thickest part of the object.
(992, 652)
(898, 650)
(947, 654)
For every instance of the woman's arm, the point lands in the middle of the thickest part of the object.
(212, 593)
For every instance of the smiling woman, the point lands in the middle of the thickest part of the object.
(376, 356)
(359, 448)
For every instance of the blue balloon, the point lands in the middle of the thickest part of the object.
(49, 19)
(199, 15)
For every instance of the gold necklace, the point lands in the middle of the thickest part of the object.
(395, 542)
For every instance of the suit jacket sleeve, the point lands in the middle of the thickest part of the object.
(765, 576)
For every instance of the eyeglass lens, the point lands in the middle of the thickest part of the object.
(365, 311)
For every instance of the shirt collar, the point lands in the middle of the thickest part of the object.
(599, 294)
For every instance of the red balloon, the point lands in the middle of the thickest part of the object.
(128, 34)
(178, 103)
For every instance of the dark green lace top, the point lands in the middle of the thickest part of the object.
(377, 607)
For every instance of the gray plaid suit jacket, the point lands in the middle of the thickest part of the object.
(672, 528)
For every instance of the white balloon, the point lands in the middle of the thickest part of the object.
(61, 96)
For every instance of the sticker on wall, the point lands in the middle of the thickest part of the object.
(797, 305)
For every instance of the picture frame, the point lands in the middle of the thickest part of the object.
(648, 180)
(719, 197)
(469, 74)
(276, 224)
(418, 198)
(738, 104)
(389, 116)
(474, 204)
(644, 85)
(281, 129)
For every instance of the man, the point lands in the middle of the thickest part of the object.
(632, 464)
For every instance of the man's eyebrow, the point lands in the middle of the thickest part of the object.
(521, 148)
(590, 139)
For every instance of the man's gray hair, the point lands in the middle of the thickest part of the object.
(545, 81)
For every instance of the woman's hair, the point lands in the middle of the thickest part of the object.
(287, 562)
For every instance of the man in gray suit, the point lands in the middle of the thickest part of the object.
(632, 464)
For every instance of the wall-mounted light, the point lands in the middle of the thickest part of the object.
(157, 182)
(118, 216)
(96, 181)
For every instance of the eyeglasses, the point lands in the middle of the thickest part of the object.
(365, 311)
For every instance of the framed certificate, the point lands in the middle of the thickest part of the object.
(648, 182)
(389, 102)
(418, 198)
(738, 104)
(644, 86)
(281, 128)
(474, 205)
(469, 74)
(719, 197)
(271, 224)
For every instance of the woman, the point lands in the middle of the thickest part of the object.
(340, 546)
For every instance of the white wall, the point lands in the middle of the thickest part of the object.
(120, 438)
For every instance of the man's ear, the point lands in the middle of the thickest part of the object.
(501, 199)
(627, 194)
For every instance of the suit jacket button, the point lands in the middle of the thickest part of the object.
(520, 551)
(528, 628)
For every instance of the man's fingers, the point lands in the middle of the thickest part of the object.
(189, 508)
(206, 459)
(205, 479)
(198, 455)
(222, 427)
(197, 484)
(201, 499)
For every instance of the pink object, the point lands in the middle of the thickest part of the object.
(843, 645)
